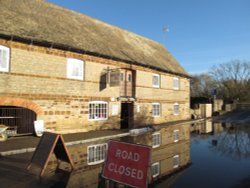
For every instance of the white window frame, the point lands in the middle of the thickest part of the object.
(156, 139)
(156, 167)
(176, 83)
(95, 115)
(153, 110)
(7, 51)
(159, 81)
(98, 156)
(174, 110)
(176, 135)
(75, 64)
(176, 161)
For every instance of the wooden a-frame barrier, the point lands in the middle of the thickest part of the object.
(48, 144)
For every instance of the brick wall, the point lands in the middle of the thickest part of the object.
(38, 74)
(165, 95)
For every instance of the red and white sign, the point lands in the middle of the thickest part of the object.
(127, 163)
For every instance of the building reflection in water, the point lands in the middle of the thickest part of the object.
(170, 155)
(203, 127)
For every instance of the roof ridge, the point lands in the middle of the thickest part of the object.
(44, 21)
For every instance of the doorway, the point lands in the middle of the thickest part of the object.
(18, 118)
(127, 115)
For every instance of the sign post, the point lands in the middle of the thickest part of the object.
(48, 144)
(127, 163)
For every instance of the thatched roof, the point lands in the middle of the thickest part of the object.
(41, 21)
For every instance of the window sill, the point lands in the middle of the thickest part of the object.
(156, 146)
(75, 78)
(175, 166)
(103, 119)
(95, 163)
(154, 86)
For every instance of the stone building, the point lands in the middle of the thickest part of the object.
(75, 73)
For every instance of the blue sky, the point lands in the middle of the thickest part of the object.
(201, 33)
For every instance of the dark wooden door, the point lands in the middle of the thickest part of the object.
(127, 115)
(17, 117)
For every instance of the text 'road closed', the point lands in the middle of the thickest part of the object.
(127, 163)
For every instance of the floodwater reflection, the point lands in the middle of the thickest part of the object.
(216, 155)
(170, 154)
(233, 141)
(230, 140)
(220, 156)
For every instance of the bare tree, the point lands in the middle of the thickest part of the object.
(232, 79)
(202, 85)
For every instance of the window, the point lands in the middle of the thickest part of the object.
(121, 76)
(4, 58)
(98, 110)
(156, 109)
(176, 161)
(113, 78)
(75, 69)
(176, 83)
(129, 77)
(155, 169)
(156, 140)
(156, 80)
(176, 135)
(97, 153)
(176, 109)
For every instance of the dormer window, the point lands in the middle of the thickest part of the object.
(4, 59)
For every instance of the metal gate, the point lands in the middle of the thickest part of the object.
(18, 119)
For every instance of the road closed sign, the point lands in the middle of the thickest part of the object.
(127, 163)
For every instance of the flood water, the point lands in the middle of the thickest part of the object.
(212, 155)
(220, 157)
(203, 155)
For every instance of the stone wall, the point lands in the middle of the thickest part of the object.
(38, 75)
(217, 105)
(204, 111)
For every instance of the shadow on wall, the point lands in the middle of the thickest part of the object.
(103, 81)
(113, 122)
(143, 118)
